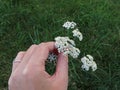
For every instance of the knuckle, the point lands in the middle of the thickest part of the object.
(27, 74)
(34, 45)
(42, 44)
(21, 52)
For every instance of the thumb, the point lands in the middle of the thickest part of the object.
(62, 66)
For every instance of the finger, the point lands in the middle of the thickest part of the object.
(26, 57)
(17, 60)
(62, 67)
(41, 54)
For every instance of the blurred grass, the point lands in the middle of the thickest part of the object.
(24, 22)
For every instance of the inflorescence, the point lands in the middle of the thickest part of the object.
(68, 47)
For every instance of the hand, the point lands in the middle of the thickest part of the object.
(29, 73)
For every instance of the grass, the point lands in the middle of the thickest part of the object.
(24, 22)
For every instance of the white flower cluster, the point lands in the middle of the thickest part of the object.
(69, 25)
(78, 34)
(52, 57)
(88, 62)
(67, 46)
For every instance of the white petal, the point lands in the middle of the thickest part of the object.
(84, 67)
(90, 57)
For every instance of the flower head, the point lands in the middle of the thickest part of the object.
(78, 34)
(67, 46)
(69, 25)
(52, 57)
(88, 62)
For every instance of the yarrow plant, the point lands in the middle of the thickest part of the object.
(68, 47)
(78, 34)
(52, 57)
(88, 62)
(69, 25)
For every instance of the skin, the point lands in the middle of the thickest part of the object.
(30, 74)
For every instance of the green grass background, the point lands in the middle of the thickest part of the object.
(24, 22)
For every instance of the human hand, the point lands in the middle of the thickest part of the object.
(28, 72)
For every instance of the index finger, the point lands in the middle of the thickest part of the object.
(41, 54)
